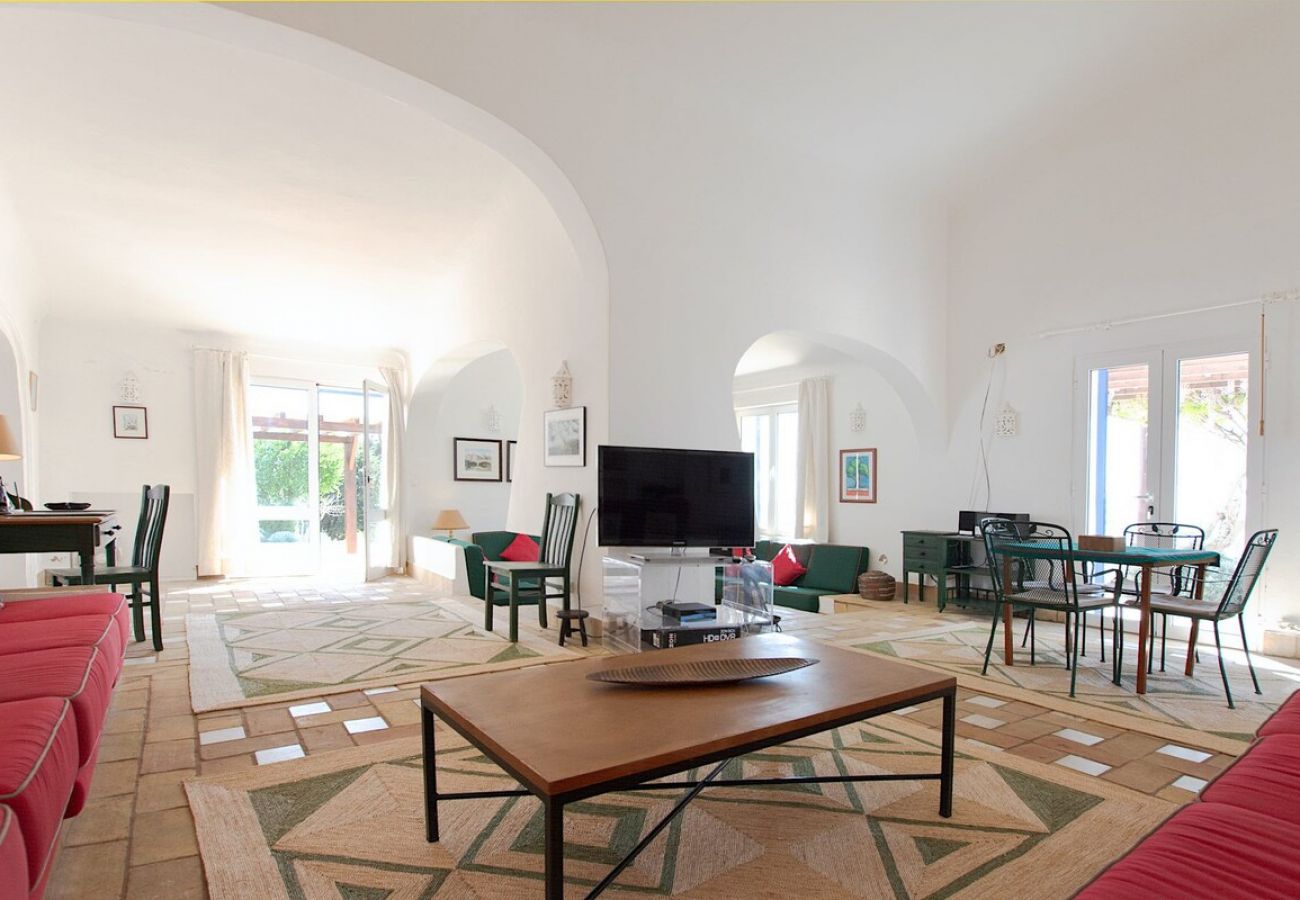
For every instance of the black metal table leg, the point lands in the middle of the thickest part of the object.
(430, 776)
(554, 854)
(949, 748)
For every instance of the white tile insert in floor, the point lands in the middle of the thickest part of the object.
(1086, 766)
(1188, 783)
(221, 735)
(357, 726)
(308, 709)
(1079, 737)
(990, 702)
(279, 754)
(383, 690)
(1186, 753)
(902, 712)
(982, 721)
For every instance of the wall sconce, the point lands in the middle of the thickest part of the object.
(492, 419)
(1007, 424)
(858, 419)
(562, 386)
(128, 391)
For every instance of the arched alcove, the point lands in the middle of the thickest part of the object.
(13, 567)
(899, 423)
(459, 397)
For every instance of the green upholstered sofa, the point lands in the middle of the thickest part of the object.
(487, 545)
(832, 569)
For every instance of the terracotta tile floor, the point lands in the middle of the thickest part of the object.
(136, 837)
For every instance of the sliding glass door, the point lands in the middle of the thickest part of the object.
(379, 534)
(1169, 439)
(286, 476)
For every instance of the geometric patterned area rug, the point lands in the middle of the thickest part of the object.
(269, 655)
(1175, 706)
(349, 823)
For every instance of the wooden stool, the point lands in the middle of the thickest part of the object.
(567, 617)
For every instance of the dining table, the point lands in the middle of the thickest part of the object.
(1144, 559)
(62, 531)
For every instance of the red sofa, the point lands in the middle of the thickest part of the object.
(1241, 839)
(60, 657)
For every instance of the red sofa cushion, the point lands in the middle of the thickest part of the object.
(1266, 779)
(1208, 850)
(72, 631)
(14, 882)
(64, 605)
(38, 764)
(81, 675)
(786, 568)
(522, 549)
(1286, 720)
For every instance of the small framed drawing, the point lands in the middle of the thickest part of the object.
(476, 459)
(131, 422)
(512, 447)
(858, 476)
(565, 437)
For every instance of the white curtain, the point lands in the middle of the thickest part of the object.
(395, 380)
(224, 439)
(812, 502)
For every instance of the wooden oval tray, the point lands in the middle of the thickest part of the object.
(720, 671)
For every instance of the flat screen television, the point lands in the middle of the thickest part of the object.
(651, 497)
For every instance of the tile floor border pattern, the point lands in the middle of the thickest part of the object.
(136, 838)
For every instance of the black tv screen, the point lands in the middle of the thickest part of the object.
(675, 498)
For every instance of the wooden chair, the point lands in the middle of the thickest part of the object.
(1236, 591)
(530, 580)
(144, 563)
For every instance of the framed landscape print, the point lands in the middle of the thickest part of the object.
(131, 422)
(565, 436)
(858, 476)
(512, 448)
(476, 459)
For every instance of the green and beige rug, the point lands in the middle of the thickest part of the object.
(271, 655)
(350, 824)
(1175, 706)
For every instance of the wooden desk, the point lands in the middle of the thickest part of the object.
(523, 721)
(1146, 559)
(62, 532)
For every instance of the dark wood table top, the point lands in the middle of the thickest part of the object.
(559, 732)
(60, 517)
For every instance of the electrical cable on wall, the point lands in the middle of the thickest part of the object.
(982, 457)
(582, 554)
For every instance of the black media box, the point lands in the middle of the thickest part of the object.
(665, 638)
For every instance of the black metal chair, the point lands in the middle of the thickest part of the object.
(144, 563)
(1032, 566)
(1236, 592)
(1173, 581)
(530, 580)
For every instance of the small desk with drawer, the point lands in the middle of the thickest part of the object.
(941, 554)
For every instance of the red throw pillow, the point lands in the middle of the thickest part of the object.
(785, 567)
(522, 549)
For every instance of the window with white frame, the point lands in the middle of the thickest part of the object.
(771, 433)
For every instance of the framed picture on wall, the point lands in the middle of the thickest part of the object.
(131, 422)
(476, 459)
(511, 450)
(858, 476)
(565, 436)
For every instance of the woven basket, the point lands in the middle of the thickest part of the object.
(876, 586)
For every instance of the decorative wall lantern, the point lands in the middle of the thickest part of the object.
(129, 389)
(858, 419)
(492, 419)
(562, 386)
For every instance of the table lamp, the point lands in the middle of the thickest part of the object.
(449, 520)
(9, 449)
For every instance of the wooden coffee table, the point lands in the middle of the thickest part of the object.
(564, 738)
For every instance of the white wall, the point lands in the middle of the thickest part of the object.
(1178, 195)
(434, 419)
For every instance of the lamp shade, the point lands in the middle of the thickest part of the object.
(449, 520)
(9, 446)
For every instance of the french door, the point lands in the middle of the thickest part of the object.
(1171, 436)
(378, 524)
